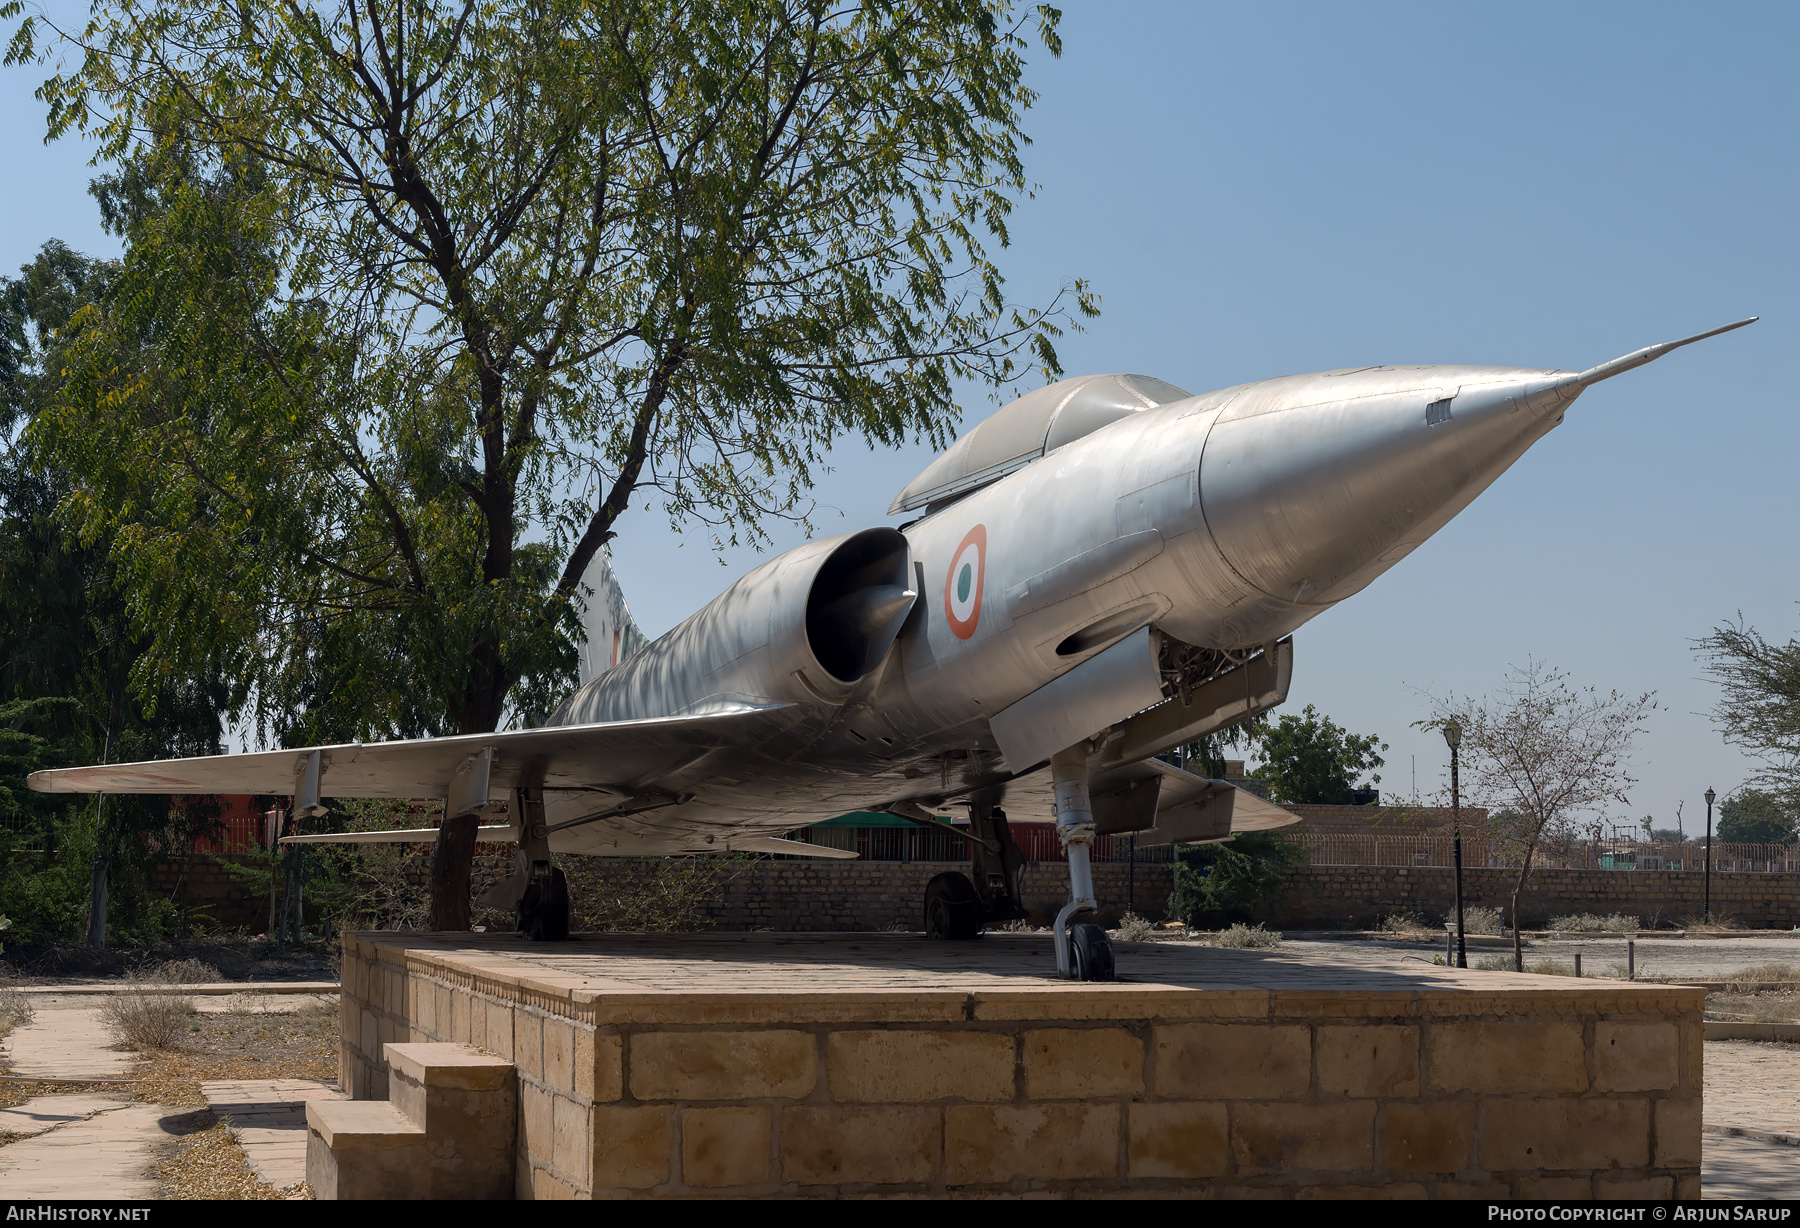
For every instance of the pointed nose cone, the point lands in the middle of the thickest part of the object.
(1312, 488)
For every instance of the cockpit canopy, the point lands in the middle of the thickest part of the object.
(1022, 431)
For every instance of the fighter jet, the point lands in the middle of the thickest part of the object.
(1104, 570)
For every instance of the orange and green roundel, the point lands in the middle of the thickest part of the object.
(962, 587)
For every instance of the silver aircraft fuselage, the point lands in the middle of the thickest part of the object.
(1103, 570)
(1224, 520)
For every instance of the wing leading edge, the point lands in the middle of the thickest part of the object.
(596, 756)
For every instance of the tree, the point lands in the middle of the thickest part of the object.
(1759, 702)
(67, 644)
(1538, 752)
(439, 290)
(1311, 759)
(1752, 816)
(1228, 876)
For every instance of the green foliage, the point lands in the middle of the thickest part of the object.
(1759, 702)
(1213, 878)
(67, 650)
(1310, 758)
(1754, 816)
(417, 300)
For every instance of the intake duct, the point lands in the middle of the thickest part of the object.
(857, 603)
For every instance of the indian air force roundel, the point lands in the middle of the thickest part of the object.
(962, 587)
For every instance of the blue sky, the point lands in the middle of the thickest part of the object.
(1257, 190)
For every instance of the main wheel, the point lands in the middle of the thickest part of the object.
(1093, 953)
(952, 908)
(544, 908)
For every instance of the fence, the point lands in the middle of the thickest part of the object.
(1332, 849)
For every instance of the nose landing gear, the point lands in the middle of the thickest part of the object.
(1083, 952)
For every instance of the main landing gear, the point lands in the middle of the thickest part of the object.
(959, 906)
(536, 891)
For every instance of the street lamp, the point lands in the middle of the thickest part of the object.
(1453, 735)
(1709, 801)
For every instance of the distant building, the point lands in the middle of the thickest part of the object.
(1368, 818)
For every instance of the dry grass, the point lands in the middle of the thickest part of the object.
(1714, 922)
(1593, 923)
(149, 1013)
(209, 1165)
(1407, 924)
(1133, 928)
(16, 1009)
(302, 1044)
(1481, 920)
(1247, 936)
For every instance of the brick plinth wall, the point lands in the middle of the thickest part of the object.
(1431, 1084)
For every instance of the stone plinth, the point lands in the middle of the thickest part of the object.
(828, 1065)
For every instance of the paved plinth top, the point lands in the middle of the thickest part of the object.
(829, 974)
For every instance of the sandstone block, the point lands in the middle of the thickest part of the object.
(1505, 1058)
(1687, 1188)
(1678, 1132)
(1224, 1061)
(989, 1144)
(1078, 1063)
(547, 1188)
(1408, 1191)
(559, 1054)
(719, 1065)
(1473, 1191)
(499, 1028)
(528, 1044)
(909, 1065)
(1435, 1137)
(1179, 1139)
(1636, 1057)
(1378, 1060)
(877, 1144)
(1642, 1189)
(1563, 1133)
(725, 1146)
(631, 1145)
(599, 1068)
(536, 1129)
(570, 1148)
(1280, 1138)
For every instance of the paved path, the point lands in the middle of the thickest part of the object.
(1749, 1168)
(80, 1147)
(270, 1116)
(1755, 1087)
(66, 1040)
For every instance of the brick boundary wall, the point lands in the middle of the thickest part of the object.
(1358, 897)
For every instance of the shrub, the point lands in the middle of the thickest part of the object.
(1711, 921)
(188, 972)
(1133, 928)
(1247, 936)
(1481, 921)
(16, 1009)
(148, 1013)
(1212, 878)
(1589, 923)
(1403, 923)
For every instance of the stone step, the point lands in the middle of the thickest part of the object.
(364, 1149)
(447, 1130)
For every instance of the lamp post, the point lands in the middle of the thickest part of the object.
(1708, 907)
(1453, 735)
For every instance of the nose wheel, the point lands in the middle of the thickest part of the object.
(1091, 952)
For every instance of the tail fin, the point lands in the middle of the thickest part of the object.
(612, 633)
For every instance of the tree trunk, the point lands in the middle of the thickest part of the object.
(1518, 889)
(96, 935)
(452, 859)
